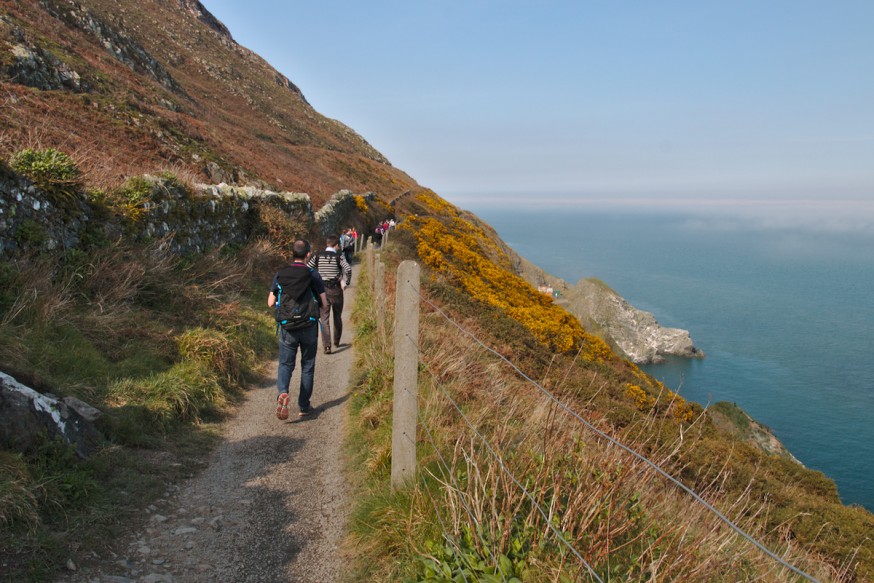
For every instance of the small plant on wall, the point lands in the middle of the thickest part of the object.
(51, 170)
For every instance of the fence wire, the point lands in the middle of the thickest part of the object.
(447, 472)
(601, 434)
(512, 477)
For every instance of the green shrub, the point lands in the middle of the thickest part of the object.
(65, 481)
(50, 169)
(30, 234)
(130, 200)
(212, 349)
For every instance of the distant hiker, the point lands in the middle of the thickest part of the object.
(377, 234)
(337, 274)
(295, 288)
(347, 245)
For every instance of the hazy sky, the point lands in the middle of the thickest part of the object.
(646, 99)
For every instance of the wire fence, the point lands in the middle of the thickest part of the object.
(497, 457)
(495, 454)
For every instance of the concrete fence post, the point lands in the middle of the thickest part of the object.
(406, 375)
(379, 286)
(368, 254)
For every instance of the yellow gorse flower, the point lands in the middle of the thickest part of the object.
(462, 250)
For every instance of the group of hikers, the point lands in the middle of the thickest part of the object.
(381, 229)
(307, 295)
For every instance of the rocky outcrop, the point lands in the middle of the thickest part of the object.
(26, 415)
(635, 332)
(113, 38)
(730, 419)
(35, 66)
(206, 17)
(631, 332)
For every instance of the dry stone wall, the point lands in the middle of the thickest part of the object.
(194, 220)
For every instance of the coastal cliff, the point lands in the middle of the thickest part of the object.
(631, 332)
(166, 346)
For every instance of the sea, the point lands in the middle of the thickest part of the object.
(779, 296)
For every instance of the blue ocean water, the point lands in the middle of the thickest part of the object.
(784, 312)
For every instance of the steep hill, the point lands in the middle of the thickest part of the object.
(128, 88)
(132, 87)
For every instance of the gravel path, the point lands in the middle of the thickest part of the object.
(271, 506)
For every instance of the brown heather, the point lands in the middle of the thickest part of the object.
(230, 108)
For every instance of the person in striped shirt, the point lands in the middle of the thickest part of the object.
(337, 275)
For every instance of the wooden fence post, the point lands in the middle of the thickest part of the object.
(406, 375)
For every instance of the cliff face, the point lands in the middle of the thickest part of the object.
(632, 333)
(636, 333)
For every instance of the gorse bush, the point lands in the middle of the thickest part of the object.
(458, 250)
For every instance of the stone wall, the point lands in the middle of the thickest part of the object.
(31, 220)
(333, 217)
(194, 220)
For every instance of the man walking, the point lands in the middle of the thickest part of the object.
(297, 284)
(336, 273)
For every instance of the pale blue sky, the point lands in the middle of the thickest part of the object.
(596, 100)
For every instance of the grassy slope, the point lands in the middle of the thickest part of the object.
(162, 346)
(229, 107)
(464, 514)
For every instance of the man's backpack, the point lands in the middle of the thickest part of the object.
(295, 308)
(334, 280)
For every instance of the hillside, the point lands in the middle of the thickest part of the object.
(166, 345)
(128, 88)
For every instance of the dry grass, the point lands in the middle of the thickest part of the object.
(161, 345)
(467, 513)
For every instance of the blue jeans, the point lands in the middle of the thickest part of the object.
(307, 339)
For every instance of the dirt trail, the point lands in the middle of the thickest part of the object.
(271, 506)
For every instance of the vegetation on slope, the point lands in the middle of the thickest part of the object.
(161, 344)
(141, 87)
(466, 518)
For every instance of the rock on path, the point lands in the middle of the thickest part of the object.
(271, 506)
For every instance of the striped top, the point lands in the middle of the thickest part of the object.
(325, 262)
